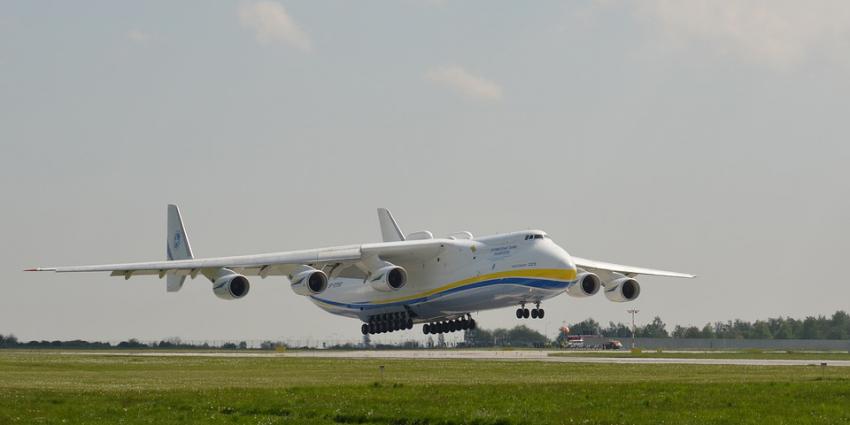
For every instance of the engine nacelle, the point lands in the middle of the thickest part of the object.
(587, 284)
(622, 290)
(231, 286)
(308, 281)
(388, 278)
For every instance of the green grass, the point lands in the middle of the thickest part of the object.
(48, 387)
(756, 355)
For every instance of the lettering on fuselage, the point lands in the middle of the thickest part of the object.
(502, 251)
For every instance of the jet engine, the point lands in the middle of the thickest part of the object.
(388, 278)
(622, 290)
(587, 284)
(308, 281)
(231, 286)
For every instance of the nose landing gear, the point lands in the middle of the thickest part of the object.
(535, 313)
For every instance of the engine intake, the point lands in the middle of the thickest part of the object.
(587, 284)
(388, 278)
(231, 286)
(308, 281)
(622, 290)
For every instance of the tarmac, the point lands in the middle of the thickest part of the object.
(483, 355)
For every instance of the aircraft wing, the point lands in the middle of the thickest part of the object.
(601, 266)
(280, 263)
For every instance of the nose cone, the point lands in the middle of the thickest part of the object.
(560, 258)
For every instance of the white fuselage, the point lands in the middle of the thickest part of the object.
(468, 275)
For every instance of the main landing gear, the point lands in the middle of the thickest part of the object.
(535, 313)
(387, 322)
(462, 324)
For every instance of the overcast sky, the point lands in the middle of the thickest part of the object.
(699, 136)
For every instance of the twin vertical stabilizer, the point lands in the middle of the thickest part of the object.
(177, 246)
(389, 228)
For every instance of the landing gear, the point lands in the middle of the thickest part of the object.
(462, 324)
(535, 313)
(387, 322)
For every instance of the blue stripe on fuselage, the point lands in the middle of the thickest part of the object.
(522, 281)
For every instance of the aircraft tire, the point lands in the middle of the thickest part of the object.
(364, 329)
(525, 313)
(540, 314)
(409, 323)
(519, 313)
(534, 313)
(471, 324)
(426, 329)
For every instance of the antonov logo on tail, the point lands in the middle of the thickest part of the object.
(420, 279)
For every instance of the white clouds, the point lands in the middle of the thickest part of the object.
(272, 24)
(466, 83)
(139, 37)
(776, 33)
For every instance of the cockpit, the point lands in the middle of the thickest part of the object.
(536, 236)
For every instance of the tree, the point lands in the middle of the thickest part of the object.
(523, 336)
(243, 345)
(839, 326)
(655, 329)
(760, 330)
(586, 327)
(477, 338)
(617, 330)
(689, 332)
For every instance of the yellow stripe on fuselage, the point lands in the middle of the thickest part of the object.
(554, 274)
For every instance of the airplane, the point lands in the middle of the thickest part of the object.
(404, 280)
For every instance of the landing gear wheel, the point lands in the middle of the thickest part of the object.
(540, 313)
(519, 313)
(364, 329)
(471, 324)
(534, 313)
(426, 329)
(525, 313)
(409, 323)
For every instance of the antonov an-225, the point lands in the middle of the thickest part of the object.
(404, 280)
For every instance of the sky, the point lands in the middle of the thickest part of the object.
(701, 136)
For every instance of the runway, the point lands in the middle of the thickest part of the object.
(482, 355)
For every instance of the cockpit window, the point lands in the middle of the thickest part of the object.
(538, 236)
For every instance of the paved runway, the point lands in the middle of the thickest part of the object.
(543, 356)
(492, 355)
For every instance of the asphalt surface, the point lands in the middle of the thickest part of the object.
(492, 355)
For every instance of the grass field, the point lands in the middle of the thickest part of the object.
(48, 387)
(758, 355)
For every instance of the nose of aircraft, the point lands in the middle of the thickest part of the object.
(560, 257)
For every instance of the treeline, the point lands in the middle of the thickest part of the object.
(519, 336)
(10, 341)
(836, 326)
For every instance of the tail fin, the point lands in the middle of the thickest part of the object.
(177, 246)
(389, 228)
